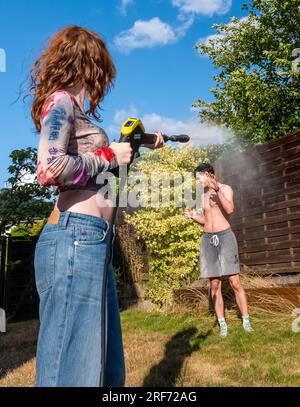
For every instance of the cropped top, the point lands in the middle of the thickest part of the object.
(72, 151)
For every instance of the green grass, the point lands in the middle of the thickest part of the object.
(268, 357)
(180, 347)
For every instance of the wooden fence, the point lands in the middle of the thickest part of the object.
(266, 221)
(18, 294)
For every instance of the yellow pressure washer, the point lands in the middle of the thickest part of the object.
(133, 131)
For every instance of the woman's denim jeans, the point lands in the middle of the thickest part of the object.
(80, 339)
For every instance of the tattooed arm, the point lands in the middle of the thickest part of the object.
(54, 165)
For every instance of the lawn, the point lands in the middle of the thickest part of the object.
(180, 347)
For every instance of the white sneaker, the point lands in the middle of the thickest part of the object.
(223, 328)
(246, 324)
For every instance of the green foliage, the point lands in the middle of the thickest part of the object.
(25, 199)
(257, 84)
(28, 229)
(172, 240)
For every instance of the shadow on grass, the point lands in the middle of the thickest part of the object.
(17, 346)
(177, 349)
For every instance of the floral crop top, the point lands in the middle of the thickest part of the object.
(72, 151)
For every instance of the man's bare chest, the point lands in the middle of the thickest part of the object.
(211, 201)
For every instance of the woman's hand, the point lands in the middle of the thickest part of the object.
(123, 152)
(159, 142)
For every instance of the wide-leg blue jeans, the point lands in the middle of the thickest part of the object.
(80, 338)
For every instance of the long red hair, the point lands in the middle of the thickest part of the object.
(75, 55)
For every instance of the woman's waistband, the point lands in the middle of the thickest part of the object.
(63, 218)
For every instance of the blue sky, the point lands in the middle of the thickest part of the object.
(159, 73)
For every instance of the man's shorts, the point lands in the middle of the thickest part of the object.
(219, 255)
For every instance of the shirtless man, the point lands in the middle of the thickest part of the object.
(219, 249)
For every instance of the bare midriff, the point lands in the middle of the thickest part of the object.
(88, 202)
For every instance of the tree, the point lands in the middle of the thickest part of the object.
(257, 84)
(25, 200)
(172, 241)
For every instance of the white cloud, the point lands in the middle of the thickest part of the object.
(26, 178)
(123, 6)
(121, 115)
(207, 39)
(150, 33)
(145, 34)
(154, 32)
(213, 37)
(200, 134)
(204, 7)
(187, 21)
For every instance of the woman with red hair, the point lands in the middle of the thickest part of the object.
(80, 338)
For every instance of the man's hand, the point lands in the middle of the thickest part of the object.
(159, 142)
(213, 183)
(193, 215)
(188, 214)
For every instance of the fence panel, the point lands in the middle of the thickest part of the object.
(266, 220)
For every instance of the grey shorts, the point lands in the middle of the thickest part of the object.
(219, 255)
